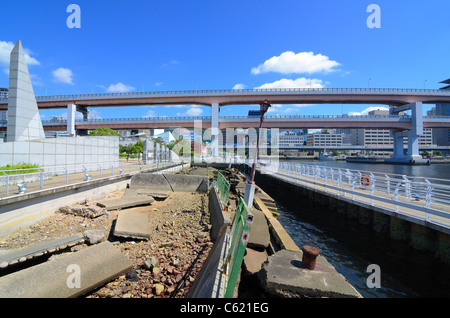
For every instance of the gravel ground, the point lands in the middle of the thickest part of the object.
(163, 266)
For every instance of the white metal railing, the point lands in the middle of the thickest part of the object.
(427, 199)
(71, 174)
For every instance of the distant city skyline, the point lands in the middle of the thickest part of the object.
(182, 45)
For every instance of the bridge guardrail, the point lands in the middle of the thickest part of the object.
(246, 91)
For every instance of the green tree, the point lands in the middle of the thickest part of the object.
(104, 132)
(124, 149)
(138, 147)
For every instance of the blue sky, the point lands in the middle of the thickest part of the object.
(182, 45)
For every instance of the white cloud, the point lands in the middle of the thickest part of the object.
(5, 52)
(150, 113)
(303, 62)
(297, 83)
(287, 108)
(367, 110)
(289, 83)
(239, 86)
(119, 88)
(172, 62)
(193, 110)
(63, 75)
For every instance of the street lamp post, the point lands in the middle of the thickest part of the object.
(250, 186)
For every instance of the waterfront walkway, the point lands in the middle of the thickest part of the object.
(36, 181)
(419, 199)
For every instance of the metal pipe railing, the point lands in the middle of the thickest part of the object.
(399, 193)
(74, 173)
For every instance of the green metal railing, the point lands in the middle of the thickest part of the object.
(240, 233)
(223, 187)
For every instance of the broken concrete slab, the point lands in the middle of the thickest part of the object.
(153, 194)
(187, 183)
(283, 275)
(259, 235)
(125, 202)
(70, 275)
(37, 250)
(132, 225)
(169, 182)
(150, 181)
(253, 260)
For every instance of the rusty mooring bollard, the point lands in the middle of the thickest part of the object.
(309, 256)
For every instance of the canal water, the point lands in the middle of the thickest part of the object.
(351, 247)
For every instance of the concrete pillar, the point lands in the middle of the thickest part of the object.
(398, 145)
(71, 108)
(352, 211)
(380, 222)
(423, 238)
(412, 135)
(365, 215)
(341, 207)
(444, 247)
(85, 111)
(145, 152)
(215, 108)
(399, 229)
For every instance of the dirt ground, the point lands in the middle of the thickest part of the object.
(163, 266)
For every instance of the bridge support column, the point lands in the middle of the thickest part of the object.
(84, 111)
(215, 108)
(412, 135)
(71, 108)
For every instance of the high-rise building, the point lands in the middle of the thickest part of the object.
(3, 93)
(382, 137)
(289, 138)
(3, 96)
(324, 139)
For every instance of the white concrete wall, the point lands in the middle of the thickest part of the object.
(62, 152)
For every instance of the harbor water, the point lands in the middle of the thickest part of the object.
(350, 247)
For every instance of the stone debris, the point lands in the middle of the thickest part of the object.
(88, 212)
(94, 236)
